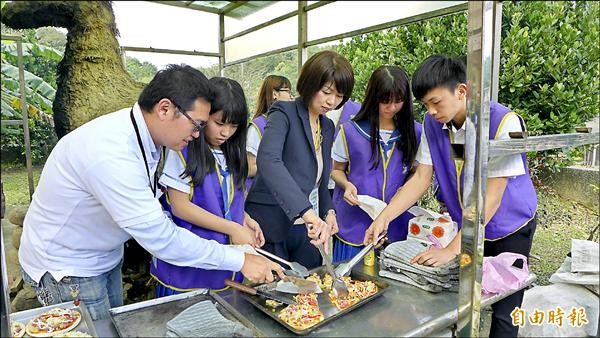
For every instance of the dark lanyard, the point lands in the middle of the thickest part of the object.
(139, 139)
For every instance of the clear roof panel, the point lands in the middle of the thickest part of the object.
(268, 12)
(166, 27)
(345, 16)
(273, 37)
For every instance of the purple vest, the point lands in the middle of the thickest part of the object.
(519, 202)
(381, 182)
(209, 197)
(260, 123)
(349, 110)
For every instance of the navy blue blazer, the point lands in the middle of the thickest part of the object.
(287, 169)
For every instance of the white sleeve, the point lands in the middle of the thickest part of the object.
(339, 153)
(171, 175)
(508, 165)
(179, 246)
(252, 140)
(423, 154)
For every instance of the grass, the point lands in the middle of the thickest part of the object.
(559, 220)
(16, 186)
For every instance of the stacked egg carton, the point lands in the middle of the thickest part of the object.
(395, 264)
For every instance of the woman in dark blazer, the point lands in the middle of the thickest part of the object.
(294, 163)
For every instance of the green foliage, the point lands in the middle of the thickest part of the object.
(406, 46)
(549, 71)
(42, 136)
(140, 71)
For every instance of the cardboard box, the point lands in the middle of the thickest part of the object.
(431, 227)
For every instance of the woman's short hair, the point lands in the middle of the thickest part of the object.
(322, 68)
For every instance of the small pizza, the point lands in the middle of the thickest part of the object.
(72, 334)
(53, 322)
(357, 291)
(17, 329)
(301, 316)
(309, 299)
(324, 283)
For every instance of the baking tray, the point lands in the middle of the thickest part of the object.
(85, 325)
(149, 318)
(330, 312)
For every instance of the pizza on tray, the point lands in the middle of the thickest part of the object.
(357, 291)
(53, 322)
(17, 329)
(304, 314)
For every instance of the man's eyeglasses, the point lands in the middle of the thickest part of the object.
(198, 126)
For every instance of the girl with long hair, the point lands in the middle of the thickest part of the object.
(205, 191)
(373, 154)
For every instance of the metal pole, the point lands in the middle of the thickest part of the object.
(302, 34)
(479, 72)
(5, 294)
(24, 109)
(221, 44)
(496, 51)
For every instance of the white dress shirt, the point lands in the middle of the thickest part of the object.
(501, 166)
(94, 194)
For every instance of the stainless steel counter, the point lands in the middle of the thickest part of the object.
(403, 310)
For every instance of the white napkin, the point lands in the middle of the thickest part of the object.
(371, 205)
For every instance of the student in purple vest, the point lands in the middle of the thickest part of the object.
(205, 191)
(274, 88)
(339, 116)
(289, 194)
(373, 155)
(510, 203)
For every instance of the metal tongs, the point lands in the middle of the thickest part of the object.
(344, 268)
(339, 287)
(297, 269)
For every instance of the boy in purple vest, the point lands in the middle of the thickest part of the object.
(510, 202)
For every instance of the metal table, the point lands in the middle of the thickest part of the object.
(403, 310)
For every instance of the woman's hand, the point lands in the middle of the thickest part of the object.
(434, 257)
(378, 226)
(243, 235)
(350, 194)
(331, 220)
(318, 230)
(250, 223)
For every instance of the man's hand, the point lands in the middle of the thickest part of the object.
(434, 257)
(259, 269)
(378, 226)
(350, 194)
(254, 226)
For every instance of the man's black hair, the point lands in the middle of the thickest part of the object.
(438, 71)
(182, 84)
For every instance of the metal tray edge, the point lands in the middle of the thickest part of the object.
(156, 301)
(326, 321)
(85, 314)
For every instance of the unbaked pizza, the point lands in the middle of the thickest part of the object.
(301, 316)
(53, 322)
(17, 329)
(357, 291)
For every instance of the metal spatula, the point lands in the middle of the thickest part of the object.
(339, 287)
(296, 267)
(291, 284)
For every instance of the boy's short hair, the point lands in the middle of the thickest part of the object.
(438, 71)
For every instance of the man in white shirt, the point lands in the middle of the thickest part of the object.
(98, 188)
